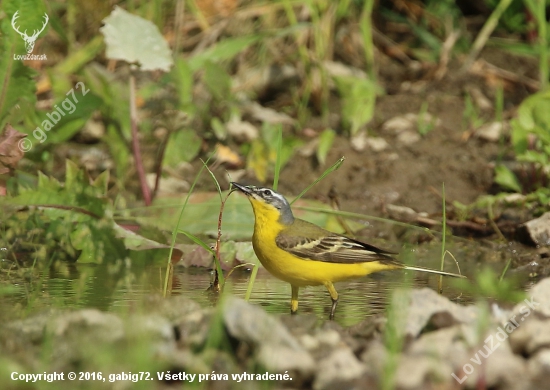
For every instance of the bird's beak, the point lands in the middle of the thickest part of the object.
(245, 190)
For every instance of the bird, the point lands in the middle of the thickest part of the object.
(304, 254)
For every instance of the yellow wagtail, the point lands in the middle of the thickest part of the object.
(303, 254)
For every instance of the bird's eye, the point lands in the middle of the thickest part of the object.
(267, 192)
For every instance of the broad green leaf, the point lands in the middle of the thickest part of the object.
(217, 80)
(358, 99)
(97, 242)
(506, 178)
(183, 145)
(519, 137)
(183, 78)
(224, 50)
(326, 139)
(133, 39)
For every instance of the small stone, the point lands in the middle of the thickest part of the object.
(490, 132)
(425, 303)
(530, 336)
(241, 131)
(408, 137)
(539, 229)
(377, 144)
(340, 366)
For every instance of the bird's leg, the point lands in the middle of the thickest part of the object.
(294, 300)
(334, 296)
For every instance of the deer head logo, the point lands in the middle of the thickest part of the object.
(29, 40)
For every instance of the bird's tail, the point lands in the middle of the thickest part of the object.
(433, 271)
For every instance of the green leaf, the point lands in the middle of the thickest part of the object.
(326, 139)
(224, 50)
(217, 80)
(218, 128)
(358, 99)
(73, 117)
(97, 243)
(133, 39)
(183, 145)
(506, 178)
(183, 78)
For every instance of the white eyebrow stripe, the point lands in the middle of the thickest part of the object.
(278, 196)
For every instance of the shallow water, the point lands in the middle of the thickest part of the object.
(98, 287)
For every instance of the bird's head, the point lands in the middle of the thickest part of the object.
(267, 202)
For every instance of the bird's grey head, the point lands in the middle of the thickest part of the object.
(268, 196)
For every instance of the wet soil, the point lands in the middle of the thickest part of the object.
(412, 174)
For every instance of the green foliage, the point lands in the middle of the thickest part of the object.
(263, 151)
(531, 144)
(183, 145)
(72, 221)
(424, 125)
(326, 139)
(358, 99)
(505, 178)
(487, 284)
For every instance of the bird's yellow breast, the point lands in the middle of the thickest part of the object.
(290, 268)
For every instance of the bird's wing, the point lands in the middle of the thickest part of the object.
(322, 245)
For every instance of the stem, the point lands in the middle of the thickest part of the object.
(444, 233)
(135, 142)
(485, 32)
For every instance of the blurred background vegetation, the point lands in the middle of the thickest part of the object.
(243, 69)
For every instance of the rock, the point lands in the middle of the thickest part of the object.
(338, 69)
(329, 337)
(399, 124)
(539, 369)
(252, 324)
(377, 144)
(92, 324)
(359, 141)
(278, 359)
(490, 132)
(501, 370)
(538, 300)
(540, 294)
(241, 131)
(75, 336)
(539, 229)
(269, 115)
(408, 137)
(157, 330)
(409, 123)
(92, 131)
(531, 336)
(417, 372)
(425, 303)
(32, 328)
(401, 213)
(339, 368)
(279, 351)
(174, 309)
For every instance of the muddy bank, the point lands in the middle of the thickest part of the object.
(425, 341)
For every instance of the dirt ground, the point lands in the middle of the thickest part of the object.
(412, 174)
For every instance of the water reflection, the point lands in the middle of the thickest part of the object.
(359, 298)
(109, 287)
